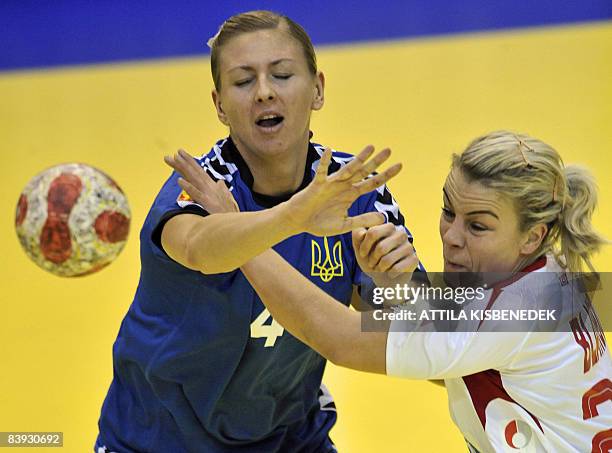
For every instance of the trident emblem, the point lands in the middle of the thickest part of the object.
(330, 266)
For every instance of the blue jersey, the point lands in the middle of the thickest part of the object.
(199, 364)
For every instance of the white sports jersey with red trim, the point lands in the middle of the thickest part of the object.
(519, 391)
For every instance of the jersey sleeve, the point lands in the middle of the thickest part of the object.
(419, 354)
(171, 201)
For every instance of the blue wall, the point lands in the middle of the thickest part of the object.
(63, 32)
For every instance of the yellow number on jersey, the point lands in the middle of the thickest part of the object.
(269, 332)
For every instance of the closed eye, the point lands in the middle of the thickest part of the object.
(448, 214)
(478, 227)
(243, 82)
(282, 76)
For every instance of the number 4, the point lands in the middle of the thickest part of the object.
(259, 328)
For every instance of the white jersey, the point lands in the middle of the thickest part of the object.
(519, 391)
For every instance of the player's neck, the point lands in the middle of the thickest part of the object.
(277, 174)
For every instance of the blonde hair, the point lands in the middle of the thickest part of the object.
(254, 21)
(531, 173)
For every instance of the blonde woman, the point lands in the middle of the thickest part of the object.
(510, 208)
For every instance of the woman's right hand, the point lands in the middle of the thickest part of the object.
(212, 196)
(322, 207)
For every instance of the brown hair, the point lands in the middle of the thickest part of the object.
(253, 21)
(532, 174)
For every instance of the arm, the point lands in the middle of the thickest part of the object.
(444, 355)
(192, 240)
(314, 317)
(320, 209)
(334, 331)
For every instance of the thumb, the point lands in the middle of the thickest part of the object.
(222, 188)
(227, 196)
(367, 220)
(357, 236)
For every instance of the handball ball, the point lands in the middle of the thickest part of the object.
(72, 219)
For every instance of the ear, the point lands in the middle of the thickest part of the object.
(533, 238)
(319, 98)
(220, 113)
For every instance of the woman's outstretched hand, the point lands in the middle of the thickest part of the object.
(322, 207)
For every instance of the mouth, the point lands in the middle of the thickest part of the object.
(269, 122)
(450, 266)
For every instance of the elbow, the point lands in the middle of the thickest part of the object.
(207, 266)
(337, 359)
(336, 355)
(194, 258)
(346, 358)
(198, 258)
(329, 350)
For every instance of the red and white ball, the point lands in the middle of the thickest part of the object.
(72, 219)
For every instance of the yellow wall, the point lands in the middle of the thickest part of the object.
(423, 98)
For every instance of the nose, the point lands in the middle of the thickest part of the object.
(264, 92)
(452, 234)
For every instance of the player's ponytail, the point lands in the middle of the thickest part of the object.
(578, 239)
(544, 191)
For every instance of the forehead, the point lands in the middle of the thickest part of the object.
(466, 195)
(259, 47)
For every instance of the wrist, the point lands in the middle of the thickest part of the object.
(285, 218)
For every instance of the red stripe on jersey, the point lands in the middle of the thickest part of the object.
(486, 386)
(599, 393)
(602, 442)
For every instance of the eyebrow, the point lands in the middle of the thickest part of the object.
(482, 211)
(491, 213)
(250, 68)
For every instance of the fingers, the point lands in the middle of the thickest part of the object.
(378, 180)
(389, 260)
(360, 167)
(367, 220)
(229, 202)
(196, 195)
(221, 188)
(357, 237)
(189, 169)
(322, 169)
(408, 264)
(372, 236)
(193, 172)
(368, 168)
(380, 241)
(348, 171)
(178, 160)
